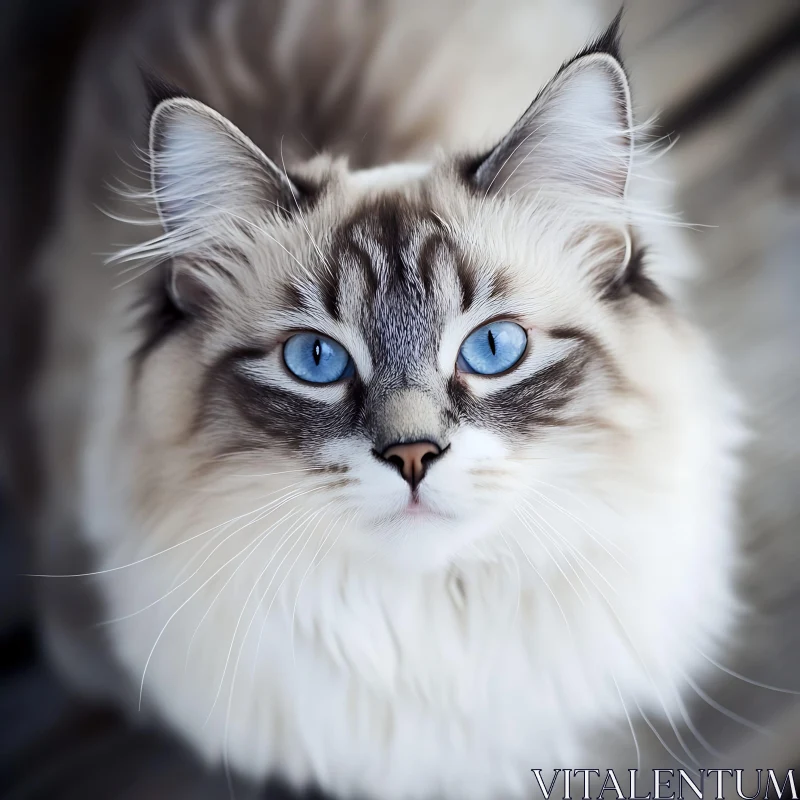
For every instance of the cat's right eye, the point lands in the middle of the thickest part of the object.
(315, 358)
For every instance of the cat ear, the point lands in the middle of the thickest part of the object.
(203, 168)
(205, 172)
(577, 134)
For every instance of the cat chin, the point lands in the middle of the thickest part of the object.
(427, 542)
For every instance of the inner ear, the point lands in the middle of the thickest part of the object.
(576, 135)
(203, 169)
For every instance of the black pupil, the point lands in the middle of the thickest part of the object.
(317, 351)
(491, 344)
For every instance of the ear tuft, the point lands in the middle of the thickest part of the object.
(607, 42)
(157, 89)
(577, 133)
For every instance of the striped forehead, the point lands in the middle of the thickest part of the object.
(397, 277)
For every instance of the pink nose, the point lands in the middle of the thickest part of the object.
(412, 460)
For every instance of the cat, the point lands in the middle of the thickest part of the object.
(370, 401)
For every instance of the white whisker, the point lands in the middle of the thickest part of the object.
(576, 551)
(752, 682)
(690, 768)
(287, 535)
(174, 614)
(149, 557)
(556, 561)
(591, 532)
(635, 650)
(329, 528)
(174, 588)
(546, 584)
(722, 709)
(262, 536)
(630, 724)
(519, 577)
(289, 492)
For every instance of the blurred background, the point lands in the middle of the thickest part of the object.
(725, 77)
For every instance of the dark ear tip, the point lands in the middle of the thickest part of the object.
(157, 89)
(607, 42)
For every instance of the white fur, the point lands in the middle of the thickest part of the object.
(445, 656)
(288, 624)
(371, 676)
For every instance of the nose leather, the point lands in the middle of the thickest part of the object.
(412, 460)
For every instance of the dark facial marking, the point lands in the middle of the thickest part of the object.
(400, 330)
(400, 312)
(158, 319)
(468, 283)
(254, 415)
(502, 285)
(566, 332)
(431, 249)
(161, 316)
(633, 281)
(537, 402)
(329, 289)
(292, 297)
(467, 166)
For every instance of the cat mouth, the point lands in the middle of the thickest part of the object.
(414, 511)
(418, 509)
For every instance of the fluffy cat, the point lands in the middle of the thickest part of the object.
(403, 475)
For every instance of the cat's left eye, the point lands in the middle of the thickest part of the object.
(493, 348)
(316, 358)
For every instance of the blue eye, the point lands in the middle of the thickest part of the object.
(316, 359)
(493, 349)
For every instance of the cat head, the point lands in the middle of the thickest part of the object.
(412, 356)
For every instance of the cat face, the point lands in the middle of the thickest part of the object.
(415, 351)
